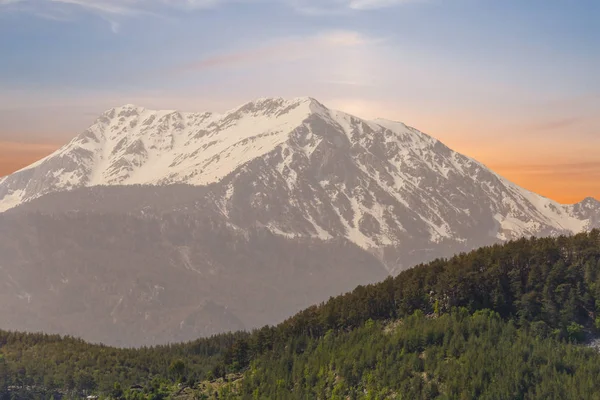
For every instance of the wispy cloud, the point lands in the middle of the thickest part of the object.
(285, 49)
(115, 11)
(558, 124)
(122, 7)
(138, 7)
(325, 7)
(374, 4)
(241, 57)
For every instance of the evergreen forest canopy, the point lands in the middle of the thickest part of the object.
(501, 322)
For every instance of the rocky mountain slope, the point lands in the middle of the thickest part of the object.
(116, 271)
(279, 179)
(374, 182)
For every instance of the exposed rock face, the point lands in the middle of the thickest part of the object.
(155, 226)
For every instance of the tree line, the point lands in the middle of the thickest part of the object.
(529, 296)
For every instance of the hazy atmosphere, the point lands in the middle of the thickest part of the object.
(521, 95)
(299, 199)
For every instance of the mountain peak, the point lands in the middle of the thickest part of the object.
(589, 202)
(129, 106)
(282, 100)
(385, 178)
(134, 145)
(277, 106)
(126, 110)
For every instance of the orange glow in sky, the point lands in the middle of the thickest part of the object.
(14, 156)
(569, 183)
(523, 101)
(564, 182)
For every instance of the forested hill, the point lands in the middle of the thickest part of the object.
(501, 322)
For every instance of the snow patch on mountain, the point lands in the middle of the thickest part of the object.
(378, 183)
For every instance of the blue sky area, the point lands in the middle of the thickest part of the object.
(522, 74)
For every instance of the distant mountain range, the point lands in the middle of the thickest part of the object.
(156, 226)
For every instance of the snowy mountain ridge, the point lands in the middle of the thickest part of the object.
(166, 143)
(305, 170)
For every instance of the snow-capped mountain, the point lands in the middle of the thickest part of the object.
(302, 170)
(161, 226)
(132, 145)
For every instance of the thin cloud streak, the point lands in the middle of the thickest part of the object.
(375, 4)
(558, 124)
(137, 7)
(332, 7)
(107, 7)
(285, 49)
(114, 11)
(241, 57)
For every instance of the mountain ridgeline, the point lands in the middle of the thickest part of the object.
(178, 225)
(496, 323)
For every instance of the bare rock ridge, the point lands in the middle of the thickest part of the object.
(155, 226)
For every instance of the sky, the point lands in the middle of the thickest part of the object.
(511, 83)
